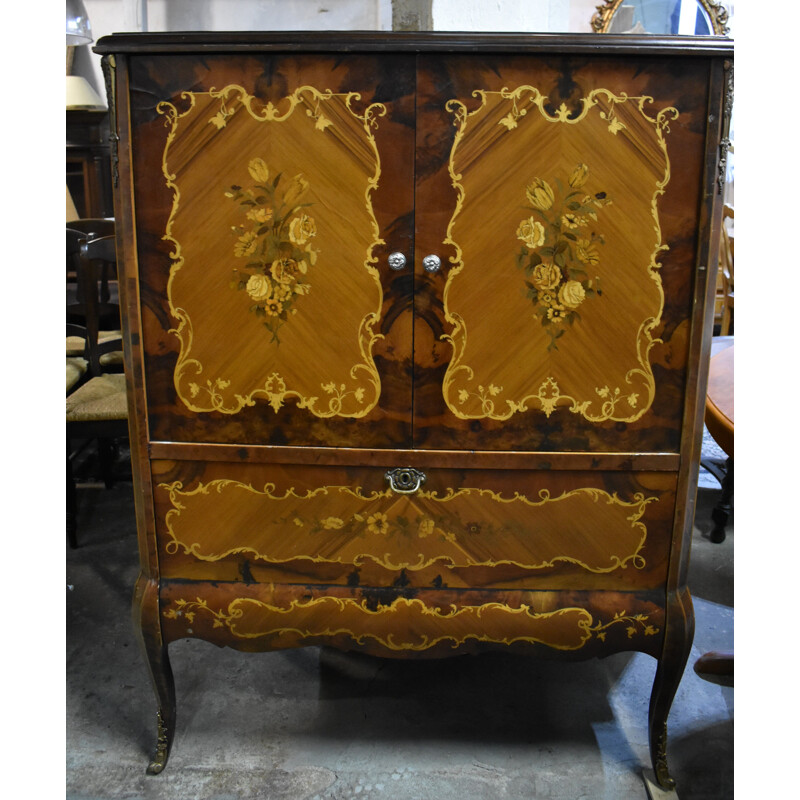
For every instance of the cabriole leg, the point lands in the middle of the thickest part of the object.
(147, 623)
(677, 646)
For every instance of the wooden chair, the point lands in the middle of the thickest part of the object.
(725, 280)
(90, 228)
(106, 294)
(77, 365)
(94, 227)
(97, 408)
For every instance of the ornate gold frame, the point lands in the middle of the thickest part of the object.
(717, 14)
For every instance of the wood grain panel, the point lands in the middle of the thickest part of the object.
(577, 303)
(266, 248)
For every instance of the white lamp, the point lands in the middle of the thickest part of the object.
(79, 29)
(81, 96)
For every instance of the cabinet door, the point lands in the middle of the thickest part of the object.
(269, 191)
(562, 195)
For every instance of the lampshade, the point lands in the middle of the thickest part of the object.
(80, 94)
(79, 29)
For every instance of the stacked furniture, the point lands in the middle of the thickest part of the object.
(97, 403)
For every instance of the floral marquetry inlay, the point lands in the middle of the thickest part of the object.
(273, 201)
(559, 246)
(576, 212)
(275, 240)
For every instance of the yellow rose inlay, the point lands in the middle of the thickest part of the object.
(572, 293)
(259, 287)
(531, 232)
(302, 229)
(546, 276)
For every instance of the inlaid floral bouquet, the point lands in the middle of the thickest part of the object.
(559, 246)
(275, 240)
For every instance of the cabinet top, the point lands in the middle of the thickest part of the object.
(412, 41)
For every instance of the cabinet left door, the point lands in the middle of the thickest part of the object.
(269, 191)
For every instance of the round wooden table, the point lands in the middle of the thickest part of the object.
(717, 667)
(719, 399)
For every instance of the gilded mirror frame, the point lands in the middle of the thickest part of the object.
(717, 14)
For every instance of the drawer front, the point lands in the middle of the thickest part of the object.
(460, 528)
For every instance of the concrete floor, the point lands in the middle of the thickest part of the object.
(322, 725)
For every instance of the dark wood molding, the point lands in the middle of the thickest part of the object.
(411, 41)
(453, 459)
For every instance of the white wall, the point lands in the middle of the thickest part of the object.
(118, 16)
(243, 15)
(501, 15)
(113, 16)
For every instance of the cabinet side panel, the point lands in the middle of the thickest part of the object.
(719, 108)
(129, 290)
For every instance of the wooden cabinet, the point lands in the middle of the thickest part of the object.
(416, 328)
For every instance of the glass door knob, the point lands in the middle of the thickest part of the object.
(431, 263)
(397, 261)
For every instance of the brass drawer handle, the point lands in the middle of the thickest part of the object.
(405, 480)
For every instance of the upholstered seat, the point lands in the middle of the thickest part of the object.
(100, 398)
(76, 369)
(111, 361)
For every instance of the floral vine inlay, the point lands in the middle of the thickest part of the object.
(559, 246)
(423, 626)
(276, 239)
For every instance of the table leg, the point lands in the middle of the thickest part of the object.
(724, 506)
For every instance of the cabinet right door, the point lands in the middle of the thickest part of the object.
(562, 195)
